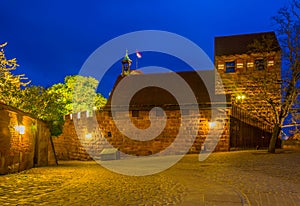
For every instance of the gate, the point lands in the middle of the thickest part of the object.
(248, 132)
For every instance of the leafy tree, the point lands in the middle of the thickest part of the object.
(78, 93)
(53, 103)
(44, 105)
(10, 84)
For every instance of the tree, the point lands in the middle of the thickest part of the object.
(266, 85)
(294, 120)
(288, 31)
(53, 103)
(44, 105)
(78, 93)
(270, 84)
(10, 84)
(288, 22)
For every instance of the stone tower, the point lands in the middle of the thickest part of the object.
(250, 69)
(126, 63)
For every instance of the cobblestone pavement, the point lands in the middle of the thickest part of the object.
(232, 178)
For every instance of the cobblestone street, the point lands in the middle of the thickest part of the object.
(235, 178)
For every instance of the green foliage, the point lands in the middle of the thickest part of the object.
(44, 105)
(83, 92)
(10, 84)
(52, 104)
(76, 94)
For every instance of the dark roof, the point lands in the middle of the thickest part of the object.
(239, 44)
(150, 97)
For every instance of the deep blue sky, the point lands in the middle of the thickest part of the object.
(52, 39)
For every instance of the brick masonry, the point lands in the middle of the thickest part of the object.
(22, 151)
(93, 134)
(249, 87)
(256, 85)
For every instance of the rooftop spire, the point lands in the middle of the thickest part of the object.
(126, 57)
(126, 63)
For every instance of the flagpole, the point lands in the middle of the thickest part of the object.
(138, 55)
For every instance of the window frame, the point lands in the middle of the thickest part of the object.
(230, 68)
(259, 64)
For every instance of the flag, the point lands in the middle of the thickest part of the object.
(138, 54)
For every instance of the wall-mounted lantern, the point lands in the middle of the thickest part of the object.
(20, 129)
(88, 136)
(211, 124)
(240, 98)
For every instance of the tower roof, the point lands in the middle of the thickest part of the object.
(239, 44)
(152, 96)
(126, 57)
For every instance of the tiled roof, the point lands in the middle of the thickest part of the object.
(155, 96)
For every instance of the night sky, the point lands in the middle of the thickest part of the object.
(52, 39)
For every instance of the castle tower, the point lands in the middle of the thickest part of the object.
(126, 63)
(250, 74)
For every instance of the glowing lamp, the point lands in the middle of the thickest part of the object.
(88, 135)
(20, 129)
(211, 124)
(241, 97)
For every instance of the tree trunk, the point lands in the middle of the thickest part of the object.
(273, 140)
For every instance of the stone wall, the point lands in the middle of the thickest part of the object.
(249, 87)
(21, 150)
(98, 131)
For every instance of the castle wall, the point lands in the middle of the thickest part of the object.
(250, 88)
(93, 133)
(20, 151)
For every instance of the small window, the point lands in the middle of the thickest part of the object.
(259, 64)
(250, 64)
(78, 115)
(270, 63)
(135, 113)
(240, 65)
(230, 67)
(220, 66)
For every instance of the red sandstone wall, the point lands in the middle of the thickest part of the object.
(256, 86)
(72, 144)
(21, 151)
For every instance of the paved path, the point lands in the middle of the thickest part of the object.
(235, 178)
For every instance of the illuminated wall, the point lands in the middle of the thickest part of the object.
(24, 141)
(72, 144)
